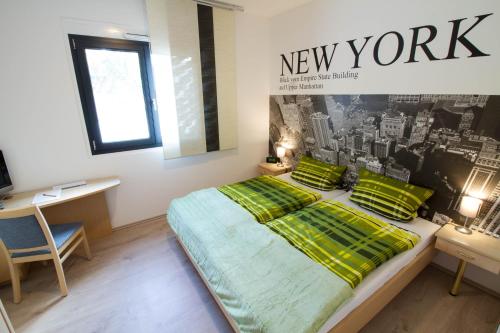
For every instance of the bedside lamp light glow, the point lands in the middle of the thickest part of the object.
(469, 207)
(280, 152)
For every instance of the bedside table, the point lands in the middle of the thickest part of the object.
(273, 169)
(478, 249)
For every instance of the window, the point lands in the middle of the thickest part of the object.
(117, 93)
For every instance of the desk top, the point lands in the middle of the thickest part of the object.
(24, 199)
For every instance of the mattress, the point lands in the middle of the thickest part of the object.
(386, 271)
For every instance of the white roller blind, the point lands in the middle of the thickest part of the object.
(195, 88)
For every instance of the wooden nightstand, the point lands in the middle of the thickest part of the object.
(476, 248)
(273, 169)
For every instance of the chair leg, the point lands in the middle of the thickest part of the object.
(60, 276)
(16, 282)
(86, 247)
(15, 276)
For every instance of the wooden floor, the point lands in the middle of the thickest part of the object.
(140, 281)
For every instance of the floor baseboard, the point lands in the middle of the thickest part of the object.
(146, 221)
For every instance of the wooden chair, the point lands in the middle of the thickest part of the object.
(25, 237)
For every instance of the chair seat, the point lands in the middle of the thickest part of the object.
(60, 232)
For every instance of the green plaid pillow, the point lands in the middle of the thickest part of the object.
(389, 197)
(317, 174)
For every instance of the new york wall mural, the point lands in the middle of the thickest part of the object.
(450, 143)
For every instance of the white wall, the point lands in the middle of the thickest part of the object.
(41, 127)
(323, 22)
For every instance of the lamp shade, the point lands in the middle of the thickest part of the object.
(281, 151)
(469, 206)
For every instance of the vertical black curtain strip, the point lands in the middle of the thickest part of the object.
(208, 76)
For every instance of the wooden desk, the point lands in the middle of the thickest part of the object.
(85, 204)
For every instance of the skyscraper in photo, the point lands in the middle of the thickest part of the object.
(423, 123)
(398, 172)
(336, 113)
(374, 165)
(482, 178)
(306, 109)
(488, 219)
(328, 155)
(290, 113)
(358, 142)
(321, 129)
(392, 125)
(343, 158)
(381, 148)
(466, 121)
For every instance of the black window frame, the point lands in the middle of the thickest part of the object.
(78, 45)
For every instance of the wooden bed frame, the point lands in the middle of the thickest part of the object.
(362, 314)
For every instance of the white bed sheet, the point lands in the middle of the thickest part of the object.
(386, 271)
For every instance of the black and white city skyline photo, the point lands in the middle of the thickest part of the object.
(450, 143)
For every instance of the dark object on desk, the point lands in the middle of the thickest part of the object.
(272, 159)
(5, 181)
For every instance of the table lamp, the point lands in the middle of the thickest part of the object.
(469, 207)
(280, 152)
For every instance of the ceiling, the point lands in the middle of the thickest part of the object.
(267, 8)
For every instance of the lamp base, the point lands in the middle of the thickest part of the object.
(463, 230)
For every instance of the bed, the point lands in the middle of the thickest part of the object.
(366, 300)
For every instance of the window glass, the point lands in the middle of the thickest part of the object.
(118, 95)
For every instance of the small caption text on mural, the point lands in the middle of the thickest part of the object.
(305, 82)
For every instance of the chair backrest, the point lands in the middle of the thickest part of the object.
(23, 229)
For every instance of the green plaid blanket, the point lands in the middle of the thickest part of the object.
(348, 242)
(268, 197)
